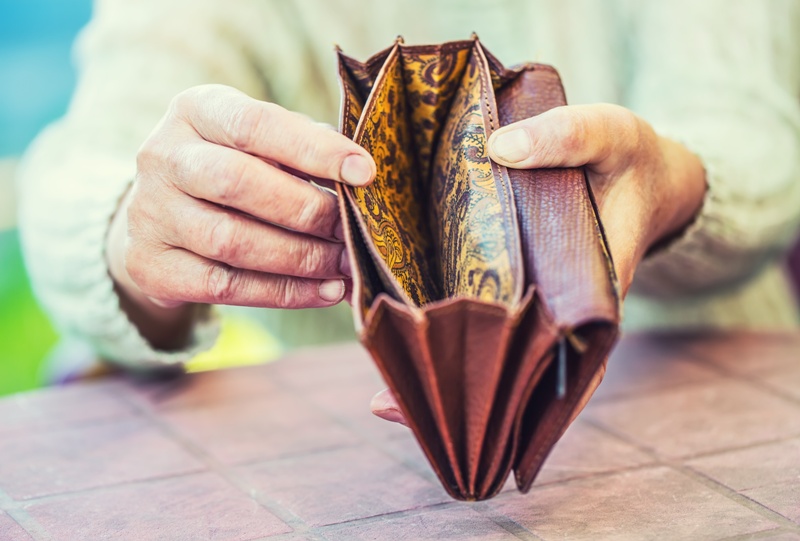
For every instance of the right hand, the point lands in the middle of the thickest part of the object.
(214, 217)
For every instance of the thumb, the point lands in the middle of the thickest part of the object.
(567, 136)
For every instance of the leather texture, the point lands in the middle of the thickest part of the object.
(486, 295)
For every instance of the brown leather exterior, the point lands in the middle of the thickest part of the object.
(475, 285)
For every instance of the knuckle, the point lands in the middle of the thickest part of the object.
(160, 158)
(149, 154)
(144, 271)
(223, 238)
(576, 129)
(184, 103)
(311, 151)
(313, 259)
(174, 161)
(631, 126)
(289, 293)
(136, 268)
(230, 181)
(309, 213)
(248, 124)
(222, 283)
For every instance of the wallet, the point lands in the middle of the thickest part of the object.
(485, 295)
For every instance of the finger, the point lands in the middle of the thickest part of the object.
(240, 241)
(385, 406)
(568, 136)
(226, 116)
(173, 276)
(237, 180)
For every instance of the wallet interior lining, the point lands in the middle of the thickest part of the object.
(390, 207)
(436, 214)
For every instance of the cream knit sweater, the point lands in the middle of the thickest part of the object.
(721, 76)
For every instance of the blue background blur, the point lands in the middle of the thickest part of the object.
(36, 81)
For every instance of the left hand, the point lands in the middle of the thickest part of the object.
(648, 188)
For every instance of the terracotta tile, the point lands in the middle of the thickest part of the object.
(642, 363)
(585, 450)
(754, 467)
(187, 508)
(656, 503)
(350, 404)
(275, 426)
(84, 457)
(406, 449)
(205, 388)
(783, 498)
(462, 524)
(582, 451)
(337, 364)
(59, 407)
(747, 353)
(780, 535)
(342, 485)
(700, 418)
(786, 380)
(11, 531)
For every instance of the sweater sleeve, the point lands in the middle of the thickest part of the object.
(132, 59)
(723, 78)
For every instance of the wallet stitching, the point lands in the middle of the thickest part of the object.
(503, 185)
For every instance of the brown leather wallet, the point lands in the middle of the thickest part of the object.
(486, 296)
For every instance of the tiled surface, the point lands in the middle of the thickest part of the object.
(313, 488)
(202, 506)
(73, 459)
(10, 530)
(652, 503)
(58, 407)
(689, 437)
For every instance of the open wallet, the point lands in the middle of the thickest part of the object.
(485, 295)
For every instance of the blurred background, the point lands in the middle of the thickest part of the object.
(36, 81)
(37, 77)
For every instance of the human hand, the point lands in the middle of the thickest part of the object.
(647, 188)
(218, 214)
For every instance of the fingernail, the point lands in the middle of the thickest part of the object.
(512, 146)
(344, 264)
(331, 290)
(356, 170)
(384, 406)
(392, 415)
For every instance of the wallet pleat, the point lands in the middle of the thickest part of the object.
(403, 354)
(526, 361)
(468, 342)
(547, 416)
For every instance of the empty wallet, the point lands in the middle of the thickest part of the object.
(485, 295)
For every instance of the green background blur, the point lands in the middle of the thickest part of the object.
(36, 81)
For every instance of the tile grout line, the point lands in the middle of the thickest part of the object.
(752, 381)
(507, 523)
(19, 514)
(741, 499)
(386, 516)
(380, 445)
(719, 488)
(215, 466)
(763, 534)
